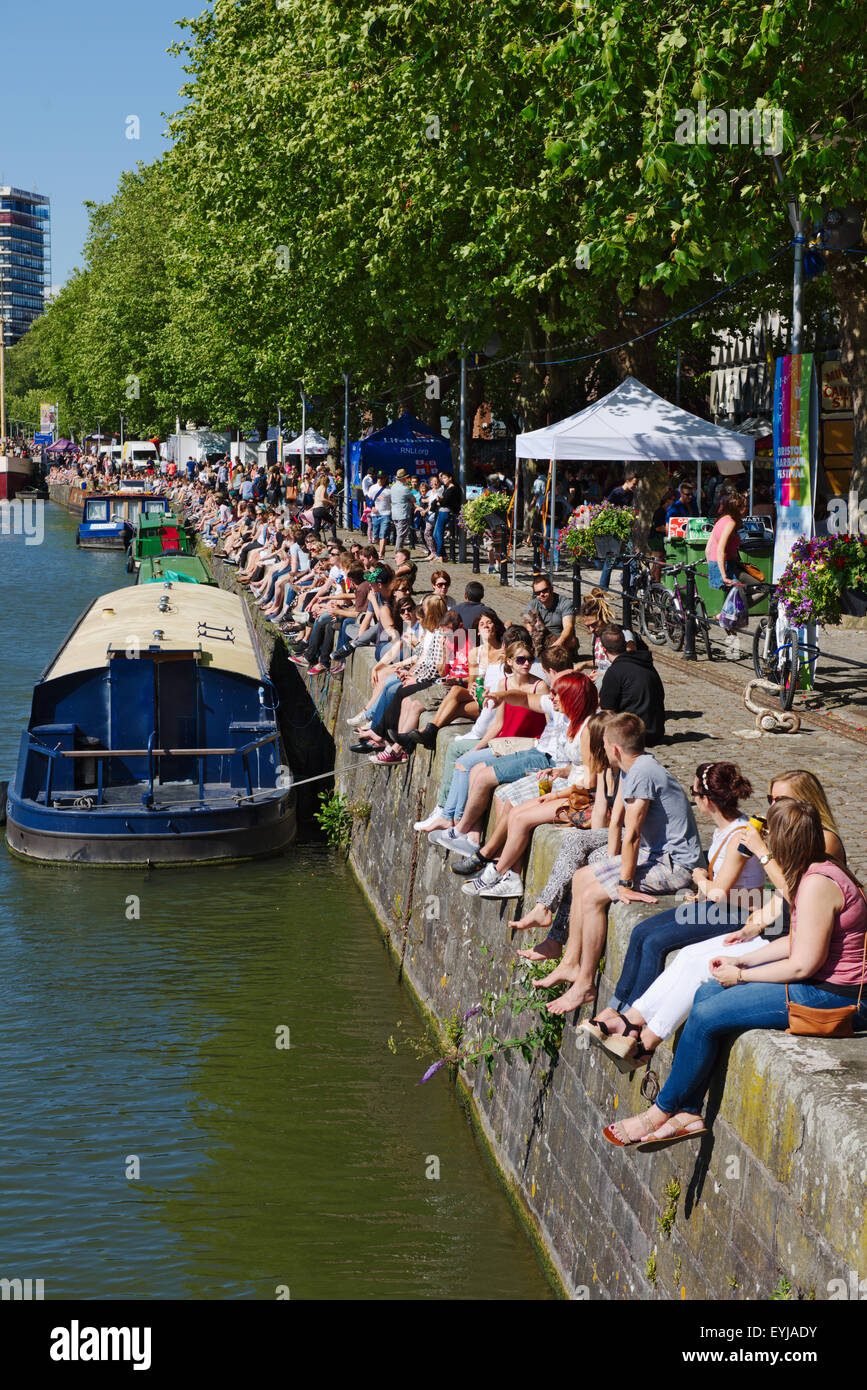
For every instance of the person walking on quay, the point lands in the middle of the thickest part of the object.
(621, 496)
(450, 503)
(402, 508)
(379, 498)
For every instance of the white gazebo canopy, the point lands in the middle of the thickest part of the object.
(309, 443)
(633, 423)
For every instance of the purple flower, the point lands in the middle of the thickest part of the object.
(471, 1013)
(430, 1071)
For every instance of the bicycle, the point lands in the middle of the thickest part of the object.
(645, 600)
(778, 651)
(667, 607)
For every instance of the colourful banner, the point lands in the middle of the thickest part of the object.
(46, 417)
(793, 440)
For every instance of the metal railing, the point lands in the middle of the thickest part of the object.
(101, 755)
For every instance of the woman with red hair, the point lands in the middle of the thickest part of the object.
(570, 706)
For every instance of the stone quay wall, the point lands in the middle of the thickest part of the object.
(773, 1201)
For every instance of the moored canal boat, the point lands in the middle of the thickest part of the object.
(174, 569)
(109, 519)
(153, 738)
(157, 533)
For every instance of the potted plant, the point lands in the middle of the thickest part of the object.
(597, 529)
(475, 514)
(825, 578)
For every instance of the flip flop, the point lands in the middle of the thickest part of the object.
(681, 1132)
(608, 1133)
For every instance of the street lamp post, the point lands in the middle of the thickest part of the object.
(793, 208)
(347, 504)
(462, 446)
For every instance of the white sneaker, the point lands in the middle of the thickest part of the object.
(452, 841)
(358, 719)
(507, 885)
(435, 815)
(486, 879)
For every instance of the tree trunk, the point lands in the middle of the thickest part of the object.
(849, 280)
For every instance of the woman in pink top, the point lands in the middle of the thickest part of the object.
(822, 964)
(722, 549)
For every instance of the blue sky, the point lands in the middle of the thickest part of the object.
(73, 74)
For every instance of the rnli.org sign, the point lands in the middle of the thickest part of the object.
(794, 451)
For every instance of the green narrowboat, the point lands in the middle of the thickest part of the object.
(157, 535)
(173, 569)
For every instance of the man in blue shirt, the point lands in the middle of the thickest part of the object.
(684, 504)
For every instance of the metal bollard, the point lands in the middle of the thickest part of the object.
(453, 550)
(477, 567)
(689, 616)
(504, 574)
(576, 585)
(537, 554)
(626, 584)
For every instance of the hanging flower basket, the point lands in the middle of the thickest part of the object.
(825, 579)
(476, 514)
(599, 530)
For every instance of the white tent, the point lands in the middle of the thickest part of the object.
(630, 423)
(309, 443)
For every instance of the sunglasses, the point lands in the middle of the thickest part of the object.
(547, 590)
(522, 660)
(441, 584)
(772, 799)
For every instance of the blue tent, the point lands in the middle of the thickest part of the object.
(406, 443)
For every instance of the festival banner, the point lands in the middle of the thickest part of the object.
(795, 438)
(46, 418)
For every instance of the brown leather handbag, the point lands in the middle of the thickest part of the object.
(577, 810)
(808, 1022)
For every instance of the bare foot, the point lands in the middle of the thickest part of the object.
(439, 825)
(539, 916)
(572, 999)
(636, 1127)
(566, 971)
(545, 950)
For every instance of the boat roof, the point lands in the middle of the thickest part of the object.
(156, 565)
(118, 619)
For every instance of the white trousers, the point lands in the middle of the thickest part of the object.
(665, 1005)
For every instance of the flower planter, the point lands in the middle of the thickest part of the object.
(853, 604)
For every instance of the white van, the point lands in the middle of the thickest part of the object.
(141, 452)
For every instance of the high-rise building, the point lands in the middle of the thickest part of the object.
(25, 259)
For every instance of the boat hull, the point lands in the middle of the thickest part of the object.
(206, 838)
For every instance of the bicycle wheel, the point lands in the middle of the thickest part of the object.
(788, 668)
(672, 616)
(651, 613)
(763, 645)
(702, 625)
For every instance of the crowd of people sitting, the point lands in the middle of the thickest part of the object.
(558, 713)
(769, 915)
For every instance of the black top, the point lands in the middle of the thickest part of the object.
(470, 613)
(621, 497)
(452, 499)
(631, 685)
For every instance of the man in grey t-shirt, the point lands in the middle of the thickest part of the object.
(653, 847)
(402, 507)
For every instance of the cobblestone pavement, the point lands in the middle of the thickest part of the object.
(707, 718)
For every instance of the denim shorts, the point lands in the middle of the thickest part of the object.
(380, 527)
(510, 766)
(715, 575)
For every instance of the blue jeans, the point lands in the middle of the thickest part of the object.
(652, 939)
(439, 531)
(608, 564)
(717, 1011)
(520, 764)
(376, 709)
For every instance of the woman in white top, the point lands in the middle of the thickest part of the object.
(572, 702)
(727, 893)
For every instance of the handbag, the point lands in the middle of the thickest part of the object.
(514, 744)
(577, 810)
(809, 1022)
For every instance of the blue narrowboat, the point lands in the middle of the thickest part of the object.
(109, 519)
(153, 738)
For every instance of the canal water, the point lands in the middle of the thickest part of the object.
(139, 1017)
